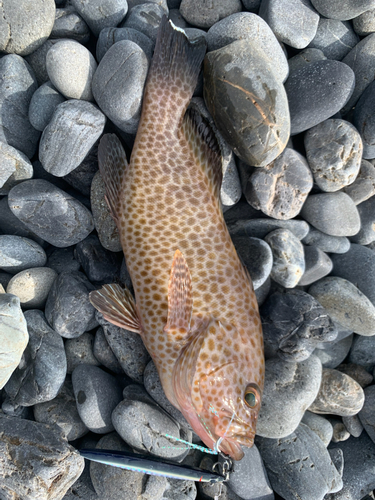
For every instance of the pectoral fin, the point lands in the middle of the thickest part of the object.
(117, 306)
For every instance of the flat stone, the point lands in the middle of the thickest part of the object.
(80, 351)
(104, 354)
(62, 259)
(69, 24)
(306, 56)
(110, 36)
(364, 186)
(342, 10)
(43, 104)
(363, 351)
(100, 14)
(205, 15)
(256, 254)
(32, 286)
(316, 92)
(259, 228)
(254, 124)
(145, 18)
(331, 354)
(18, 253)
(366, 234)
(320, 425)
(326, 242)
(364, 24)
(15, 168)
(334, 38)
(358, 373)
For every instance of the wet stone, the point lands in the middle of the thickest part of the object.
(256, 254)
(316, 92)
(104, 354)
(32, 286)
(100, 14)
(288, 257)
(331, 354)
(145, 18)
(306, 56)
(280, 189)
(353, 425)
(320, 425)
(326, 242)
(317, 265)
(110, 36)
(364, 24)
(339, 394)
(18, 253)
(259, 228)
(15, 168)
(62, 259)
(334, 38)
(364, 186)
(80, 351)
(363, 351)
(357, 372)
(69, 24)
(205, 15)
(232, 73)
(43, 104)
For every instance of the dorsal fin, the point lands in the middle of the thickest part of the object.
(202, 139)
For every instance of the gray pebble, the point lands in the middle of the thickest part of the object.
(10, 224)
(364, 186)
(343, 10)
(4, 280)
(263, 291)
(50, 213)
(104, 354)
(37, 61)
(18, 253)
(81, 177)
(113, 80)
(366, 234)
(69, 24)
(339, 394)
(306, 56)
(332, 213)
(358, 373)
(251, 4)
(364, 24)
(100, 14)
(17, 85)
(316, 92)
(294, 23)
(15, 168)
(320, 425)
(165, 4)
(288, 257)
(43, 104)
(331, 354)
(326, 242)
(363, 120)
(353, 425)
(245, 25)
(145, 18)
(259, 228)
(62, 259)
(256, 254)
(177, 19)
(80, 351)
(334, 38)
(73, 130)
(68, 309)
(110, 36)
(25, 26)
(317, 265)
(340, 432)
(363, 351)
(32, 286)
(204, 15)
(97, 394)
(42, 370)
(289, 390)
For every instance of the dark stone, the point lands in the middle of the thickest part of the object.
(357, 372)
(101, 14)
(104, 354)
(110, 36)
(317, 265)
(43, 104)
(10, 224)
(326, 242)
(69, 24)
(18, 253)
(259, 228)
(145, 18)
(331, 354)
(366, 212)
(257, 257)
(62, 259)
(204, 15)
(342, 9)
(364, 120)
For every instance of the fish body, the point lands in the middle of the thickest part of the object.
(195, 309)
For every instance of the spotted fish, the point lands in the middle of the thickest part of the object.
(195, 307)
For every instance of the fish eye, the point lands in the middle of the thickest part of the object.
(252, 395)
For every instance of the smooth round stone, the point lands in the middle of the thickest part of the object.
(97, 394)
(342, 9)
(68, 309)
(245, 25)
(353, 425)
(345, 304)
(17, 86)
(40, 377)
(110, 36)
(256, 254)
(204, 15)
(10, 224)
(62, 259)
(332, 213)
(37, 61)
(80, 351)
(24, 26)
(14, 335)
(104, 224)
(289, 390)
(364, 186)
(364, 120)
(320, 425)
(259, 228)
(334, 152)
(177, 19)
(363, 351)
(118, 86)
(317, 265)
(15, 168)
(366, 234)
(50, 213)
(358, 373)
(100, 14)
(294, 23)
(145, 18)
(280, 189)
(293, 324)
(331, 354)
(334, 38)
(339, 394)
(316, 92)
(43, 104)
(326, 243)
(367, 414)
(18, 253)
(104, 354)
(69, 24)
(255, 127)
(288, 257)
(364, 24)
(70, 67)
(32, 286)
(62, 411)
(306, 56)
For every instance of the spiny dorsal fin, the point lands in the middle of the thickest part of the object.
(117, 306)
(112, 165)
(201, 137)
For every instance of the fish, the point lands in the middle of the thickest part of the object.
(194, 303)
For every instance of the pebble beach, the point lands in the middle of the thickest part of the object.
(288, 88)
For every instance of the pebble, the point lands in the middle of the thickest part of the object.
(32, 286)
(317, 265)
(340, 432)
(342, 10)
(320, 425)
(366, 234)
(37, 61)
(259, 228)
(43, 104)
(10, 224)
(331, 354)
(334, 152)
(73, 130)
(81, 177)
(115, 79)
(17, 85)
(332, 213)
(353, 425)
(358, 373)
(334, 38)
(288, 257)
(363, 351)
(37, 461)
(14, 336)
(100, 14)
(299, 465)
(367, 414)
(290, 388)
(364, 186)
(256, 254)
(363, 121)
(80, 351)
(364, 24)
(25, 26)
(104, 354)
(97, 393)
(326, 242)
(145, 18)
(69, 24)
(18, 253)
(205, 15)
(339, 394)
(68, 309)
(256, 128)
(50, 213)
(246, 25)
(62, 259)
(293, 324)
(306, 56)
(316, 92)
(280, 189)
(41, 373)
(15, 168)
(110, 36)
(294, 23)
